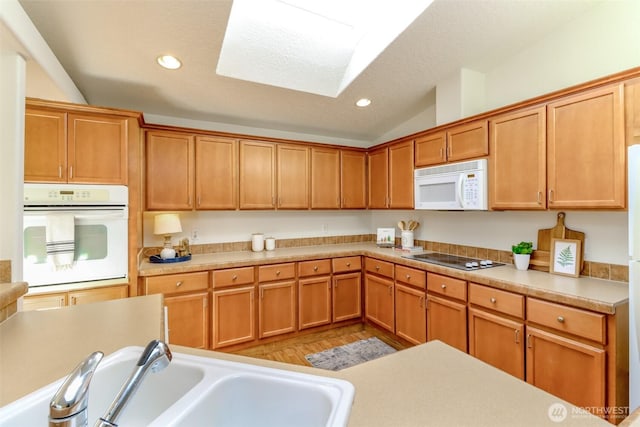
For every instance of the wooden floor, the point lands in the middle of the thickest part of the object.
(293, 350)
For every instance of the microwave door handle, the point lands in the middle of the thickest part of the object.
(459, 192)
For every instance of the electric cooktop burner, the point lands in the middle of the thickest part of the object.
(454, 261)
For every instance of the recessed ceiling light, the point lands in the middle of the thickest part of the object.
(169, 62)
(363, 102)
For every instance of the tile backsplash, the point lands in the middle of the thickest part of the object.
(591, 268)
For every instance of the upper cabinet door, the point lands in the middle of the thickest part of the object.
(216, 173)
(586, 150)
(401, 175)
(431, 149)
(170, 175)
(378, 178)
(325, 178)
(97, 150)
(257, 175)
(468, 141)
(45, 146)
(517, 166)
(293, 177)
(353, 179)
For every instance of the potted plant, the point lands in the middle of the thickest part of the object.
(522, 254)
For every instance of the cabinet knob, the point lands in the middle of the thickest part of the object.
(408, 277)
(315, 268)
(377, 267)
(278, 273)
(493, 300)
(234, 277)
(348, 264)
(560, 319)
(443, 286)
(178, 284)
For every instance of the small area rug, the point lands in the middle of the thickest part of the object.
(348, 355)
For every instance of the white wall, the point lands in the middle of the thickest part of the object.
(605, 232)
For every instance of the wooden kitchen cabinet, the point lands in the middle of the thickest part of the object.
(567, 368)
(188, 319)
(277, 299)
(586, 150)
(353, 179)
(216, 173)
(347, 288)
(292, 176)
(233, 318)
(496, 328)
(410, 312)
(517, 165)
(52, 300)
(379, 298)
(391, 178)
(447, 310)
(257, 175)
(78, 148)
(187, 300)
(314, 293)
(170, 158)
(466, 141)
(325, 178)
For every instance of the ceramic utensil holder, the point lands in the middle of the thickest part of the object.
(407, 239)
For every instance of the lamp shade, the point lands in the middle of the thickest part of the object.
(166, 224)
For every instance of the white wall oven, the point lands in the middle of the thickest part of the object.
(74, 233)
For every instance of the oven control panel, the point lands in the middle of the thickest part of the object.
(51, 194)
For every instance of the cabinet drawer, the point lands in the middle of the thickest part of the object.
(172, 283)
(314, 268)
(348, 263)
(382, 268)
(495, 299)
(232, 277)
(444, 285)
(575, 321)
(268, 273)
(411, 276)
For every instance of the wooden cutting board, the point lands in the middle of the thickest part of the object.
(540, 257)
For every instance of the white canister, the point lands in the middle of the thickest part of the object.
(257, 242)
(270, 243)
(407, 239)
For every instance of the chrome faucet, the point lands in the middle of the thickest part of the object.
(155, 356)
(68, 407)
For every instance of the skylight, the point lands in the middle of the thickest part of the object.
(315, 46)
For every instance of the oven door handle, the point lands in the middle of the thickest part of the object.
(118, 215)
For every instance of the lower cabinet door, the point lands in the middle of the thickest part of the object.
(188, 319)
(314, 308)
(447, 322)
(379, 301)
(106, 293)
(277, 309)
(233, 316)
(411, 316)
(347, 296)
(566, 368)
(497, 341)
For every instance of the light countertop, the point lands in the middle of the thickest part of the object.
(584, 292)
(430, 384)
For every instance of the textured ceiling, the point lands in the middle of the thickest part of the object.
(109, 47)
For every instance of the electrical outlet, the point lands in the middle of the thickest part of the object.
(194, 234)
(325, 228)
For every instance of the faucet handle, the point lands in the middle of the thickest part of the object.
(68, 406)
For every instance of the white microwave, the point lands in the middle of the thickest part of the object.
(454, 186)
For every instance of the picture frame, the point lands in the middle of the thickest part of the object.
(386, 237)
(566, 257)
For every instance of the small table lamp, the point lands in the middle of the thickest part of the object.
(167, 224)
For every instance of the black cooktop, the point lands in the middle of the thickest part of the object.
(454, 261)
